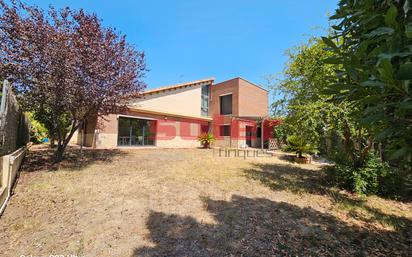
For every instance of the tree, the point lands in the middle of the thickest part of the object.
(66, 67)
(298, 145)
(301, 85)
(372, 46)
(312, 114)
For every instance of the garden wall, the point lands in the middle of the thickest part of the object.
(14, 125)
(14, 135)
(10, 165)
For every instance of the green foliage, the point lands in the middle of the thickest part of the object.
(366, 179)
(302, 81)
(372, 42)
(280, 133)
(311, 113)
(298, 145)
(350, 95)
(37, 131)
(206, 139)
(53, 125)
(375, 177)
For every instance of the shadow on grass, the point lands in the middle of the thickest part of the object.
(74, 159)
(261, 227)
(280, 177)
(287, 157)
(299, 180)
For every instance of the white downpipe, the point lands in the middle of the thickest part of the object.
(261, 133)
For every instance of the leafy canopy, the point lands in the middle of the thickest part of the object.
(372, 43)
(66, 67)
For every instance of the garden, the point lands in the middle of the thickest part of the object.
(340, 184)
(171, 202)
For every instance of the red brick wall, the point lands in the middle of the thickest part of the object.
(230, 86)
(247, 98)
(253, 100)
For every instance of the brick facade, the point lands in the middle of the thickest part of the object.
(225, 88)
(253, 100)
(180, 127)
(249, 103)
(248, 99)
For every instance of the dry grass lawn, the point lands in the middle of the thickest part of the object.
(157, 202)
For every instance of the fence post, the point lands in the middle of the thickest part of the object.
(4, 96)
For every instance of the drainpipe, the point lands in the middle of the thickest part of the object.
(261, 133)
(231, 128)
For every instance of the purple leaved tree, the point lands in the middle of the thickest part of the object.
(66, 67)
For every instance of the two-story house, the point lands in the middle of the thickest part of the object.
(174, 117)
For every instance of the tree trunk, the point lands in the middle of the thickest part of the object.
(347, 143)
(365, 151)
(63, 142)
(59, 153)
(52, 143)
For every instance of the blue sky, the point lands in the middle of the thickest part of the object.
(188, 40)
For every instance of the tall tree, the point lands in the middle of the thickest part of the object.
(312, 114)
(66, 67)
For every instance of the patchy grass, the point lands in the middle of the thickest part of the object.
(156, 202)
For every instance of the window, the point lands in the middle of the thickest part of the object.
(136, 132)
(226, 104)
(225, 131)
(204, 109)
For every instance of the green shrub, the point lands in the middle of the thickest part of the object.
(37, 131)
(375, 177)
(206, 139)
(280, 133)
(298, 145)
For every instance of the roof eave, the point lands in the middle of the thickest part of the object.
(161, 113)
(179, 86)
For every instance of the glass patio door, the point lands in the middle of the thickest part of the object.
(135, 132)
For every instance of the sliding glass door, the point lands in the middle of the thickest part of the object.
(136, 132)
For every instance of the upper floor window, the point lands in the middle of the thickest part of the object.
(225, 104)
(204, 109)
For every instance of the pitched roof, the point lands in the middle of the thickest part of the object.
(178, 86)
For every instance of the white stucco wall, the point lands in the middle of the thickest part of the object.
(184, 101)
